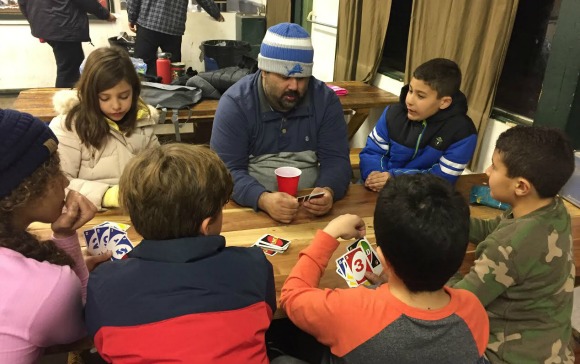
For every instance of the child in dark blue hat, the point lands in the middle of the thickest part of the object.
(43, 283)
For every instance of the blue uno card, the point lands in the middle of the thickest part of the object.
(103, 232)
(115, 235)
(341, 267)
(122, 247)
(93, 243)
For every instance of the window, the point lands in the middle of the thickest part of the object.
(520, 83)
(395, 47)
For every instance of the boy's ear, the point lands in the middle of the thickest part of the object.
(205, 225)
(523, 187)
(444, 102)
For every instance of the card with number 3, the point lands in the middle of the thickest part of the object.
(357, 262)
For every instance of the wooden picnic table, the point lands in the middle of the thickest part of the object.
(242, 226)
(360, 99)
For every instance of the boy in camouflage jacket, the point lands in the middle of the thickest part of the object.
(524, 269)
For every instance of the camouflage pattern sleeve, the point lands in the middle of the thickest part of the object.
(492, 272)
(524, 276)
(479, 229)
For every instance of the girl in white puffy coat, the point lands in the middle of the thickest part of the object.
(102, 124)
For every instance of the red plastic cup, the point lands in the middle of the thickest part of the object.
(288, 178)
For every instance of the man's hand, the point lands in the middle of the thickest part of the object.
(133, 27)
(221, 19)
(377, 279)
(321, 205)
(112, 18)
(346, 227)
(279, 205)
(77, 211)
(376, 180)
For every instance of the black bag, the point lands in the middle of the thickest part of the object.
(171, 97)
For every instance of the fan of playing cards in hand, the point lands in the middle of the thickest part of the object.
(360, 258)
(108, 236)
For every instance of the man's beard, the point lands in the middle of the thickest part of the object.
(287, 104)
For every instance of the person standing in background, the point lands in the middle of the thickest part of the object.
(161, 23)
(64, 25)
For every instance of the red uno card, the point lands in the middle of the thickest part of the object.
(370, 253)
(358, 264)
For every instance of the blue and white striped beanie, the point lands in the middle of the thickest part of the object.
(286, 50)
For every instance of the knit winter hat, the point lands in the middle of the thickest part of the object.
(286, 50)
(25, 143)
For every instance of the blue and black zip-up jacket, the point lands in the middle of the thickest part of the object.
(443, 144)
(188, 300)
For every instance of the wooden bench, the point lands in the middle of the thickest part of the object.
(354, 158)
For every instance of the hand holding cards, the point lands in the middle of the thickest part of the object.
(108, 236)
(272, 245)
(310, 196)
(359, 259)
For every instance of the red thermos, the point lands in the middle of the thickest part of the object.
(164, 67)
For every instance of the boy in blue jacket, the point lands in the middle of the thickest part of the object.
(427, 132)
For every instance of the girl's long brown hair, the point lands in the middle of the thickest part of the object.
(33, 187)
(104, 69)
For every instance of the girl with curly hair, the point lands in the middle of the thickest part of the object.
(42, 283)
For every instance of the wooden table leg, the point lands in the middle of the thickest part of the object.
(359, 117)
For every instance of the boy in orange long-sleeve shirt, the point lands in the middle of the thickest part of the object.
(422, 228)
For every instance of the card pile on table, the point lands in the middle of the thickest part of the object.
(272, 245)
(108, 236)
(360, 257)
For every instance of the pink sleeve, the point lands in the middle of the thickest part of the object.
(60, 317)
(72, 247)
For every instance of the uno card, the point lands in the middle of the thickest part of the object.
(93, 243)
(310, 196)
(104, 233)
(115, 236)
(358, 264)
(123, 246)
(352, 246)
(343, 270)
(118, 225)
(372, 257)
(121, 226)
(272, 242)
(266, 251)
(341, 267)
